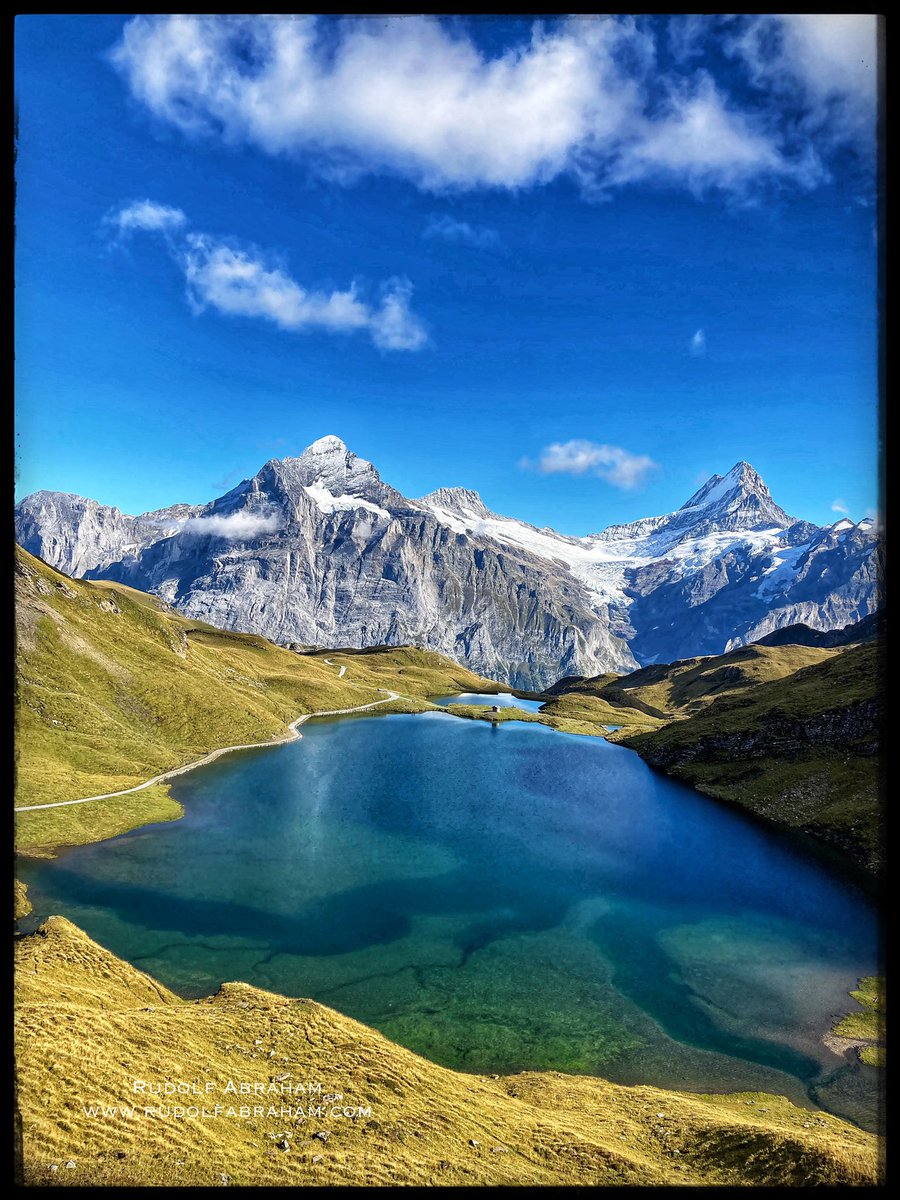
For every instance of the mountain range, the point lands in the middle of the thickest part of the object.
(319, 550)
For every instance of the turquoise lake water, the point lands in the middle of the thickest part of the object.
(496, 898)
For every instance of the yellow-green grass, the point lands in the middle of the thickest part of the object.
(867, 1025)
(680, 689)
(21, 903)
(114, 688)
(801, 750)
(688, 686)
(89, 1025)
(596, 712)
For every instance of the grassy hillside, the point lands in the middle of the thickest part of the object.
(88, 1025)
(114, 687)
(801, 750)
(687, 686)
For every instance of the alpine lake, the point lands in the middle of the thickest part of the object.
(496, 898)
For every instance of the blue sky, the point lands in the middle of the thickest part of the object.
(578, 268)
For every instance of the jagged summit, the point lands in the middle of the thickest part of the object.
(459, 500)
(329, 464)
(738, 500)
(327, 445)
(741, 479)
(319, 549)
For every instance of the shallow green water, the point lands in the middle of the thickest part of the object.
(497, 898)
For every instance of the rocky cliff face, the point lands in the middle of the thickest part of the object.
(77, 535)
(319, 549)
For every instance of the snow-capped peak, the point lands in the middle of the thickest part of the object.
(328, 462)
(741, 479)
(842, 524)
(329, 444)
(456, 500)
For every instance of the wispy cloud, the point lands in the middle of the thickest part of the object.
(840, 506)
(588, 97)
(239, 526)
(824, 63)
(148, 216)
(698, 343)
(244, 282)
(448, 229)
(580, 457)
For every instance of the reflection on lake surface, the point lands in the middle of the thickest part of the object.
(496, 898)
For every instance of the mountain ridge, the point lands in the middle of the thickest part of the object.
(318, 548)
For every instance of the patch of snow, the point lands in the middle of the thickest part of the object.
(781, 571)
(602, 562)
(327, 503)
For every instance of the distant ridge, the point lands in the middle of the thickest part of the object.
(318, 549)
(869, 627)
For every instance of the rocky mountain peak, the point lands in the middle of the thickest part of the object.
(741, 480)
(328, 446)
(318, 549)
(328, 463)
(462, 501)
(738, 500)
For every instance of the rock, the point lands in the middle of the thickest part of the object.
(320, 550)
(472, 1142)
(323, 1135)
(70, 1165)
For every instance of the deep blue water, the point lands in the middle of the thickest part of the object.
(497, 898)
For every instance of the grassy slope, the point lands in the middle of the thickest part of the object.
(687, 686)
(866, 1027)
(800, 750)
(114, 687)
(428, 1125)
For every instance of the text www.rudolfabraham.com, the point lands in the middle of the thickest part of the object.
(240, 1100)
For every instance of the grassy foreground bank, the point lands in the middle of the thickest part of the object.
(89, 1025)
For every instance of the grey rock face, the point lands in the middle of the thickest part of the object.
(77, 535)
(320, 550)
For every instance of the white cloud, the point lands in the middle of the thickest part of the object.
(580, 457)
(415, 96)
(698, 343)
(239, 526)
(149, 216)
(840, 506)
(448, 229)
(393, 326)
(240, 282)
(825, 63)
